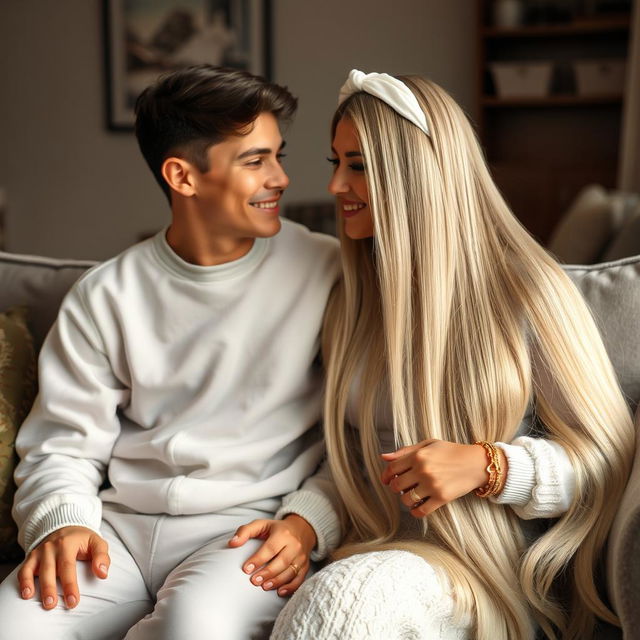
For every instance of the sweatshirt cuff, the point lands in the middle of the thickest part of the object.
(521, 476)
(318, 511)
(60, 511)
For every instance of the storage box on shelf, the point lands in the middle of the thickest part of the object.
(522, 79)
(600, 77)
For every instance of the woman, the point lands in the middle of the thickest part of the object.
(451, 322)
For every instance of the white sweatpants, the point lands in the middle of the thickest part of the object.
(171, 578)
(383, 595)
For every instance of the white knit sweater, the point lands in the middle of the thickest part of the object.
(191, 389)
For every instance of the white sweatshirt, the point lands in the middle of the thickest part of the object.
(191, 389)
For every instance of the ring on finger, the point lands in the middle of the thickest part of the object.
(295, 568)
(414, 495)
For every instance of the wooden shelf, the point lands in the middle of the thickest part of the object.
(578, 27)
(562, 100)
(543, 150)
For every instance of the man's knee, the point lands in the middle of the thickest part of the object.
(185, 615)
(23, 619)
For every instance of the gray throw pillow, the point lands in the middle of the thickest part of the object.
(627, 241)
(585, 230)
(17, 391)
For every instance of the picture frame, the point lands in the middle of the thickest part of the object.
(146, 38)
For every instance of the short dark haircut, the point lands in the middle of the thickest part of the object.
(187, 111)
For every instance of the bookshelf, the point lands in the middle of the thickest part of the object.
(543, 149)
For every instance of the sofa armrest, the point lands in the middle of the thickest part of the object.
(623, 561)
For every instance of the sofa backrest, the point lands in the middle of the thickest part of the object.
(612, 290)
(39, 284)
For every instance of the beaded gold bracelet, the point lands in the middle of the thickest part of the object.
(495, 483)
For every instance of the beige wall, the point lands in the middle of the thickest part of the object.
(74, 189)
(316, 49)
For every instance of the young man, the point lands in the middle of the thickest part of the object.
(178, 394)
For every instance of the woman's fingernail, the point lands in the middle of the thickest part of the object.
(26, 592)
(282, 592)
(268, 585)
(48, 601)
(71, 601)
(249, 568)
(259, 579)
(235, 538)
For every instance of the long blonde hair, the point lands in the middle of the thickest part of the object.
(456, 314)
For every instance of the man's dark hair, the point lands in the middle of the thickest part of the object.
(187, 111)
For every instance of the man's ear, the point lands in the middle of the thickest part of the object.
(179, 175)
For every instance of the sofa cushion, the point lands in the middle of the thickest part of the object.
(39, 284)
(623, 562)
(17, 391)
(612, 290)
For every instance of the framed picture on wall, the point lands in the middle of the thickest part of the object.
(146, 38)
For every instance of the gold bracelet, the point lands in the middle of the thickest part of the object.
(496, 476)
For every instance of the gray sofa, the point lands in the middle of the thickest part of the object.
(613, 291)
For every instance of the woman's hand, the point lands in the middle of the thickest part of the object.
(282, 561)
(437, 472)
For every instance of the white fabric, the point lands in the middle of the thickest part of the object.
(541, 480)
(390, 90)
(193, 387)
(373, 596)
(156, 589)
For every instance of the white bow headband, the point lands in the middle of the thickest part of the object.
(388, 89)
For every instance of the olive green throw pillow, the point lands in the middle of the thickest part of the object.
(17, 391)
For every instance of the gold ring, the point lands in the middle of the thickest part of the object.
(414, 496)
(295, 567)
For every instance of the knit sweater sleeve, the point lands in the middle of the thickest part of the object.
(317, 502)
(66, 441)
(540, 482)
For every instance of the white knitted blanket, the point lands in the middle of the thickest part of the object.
(385, 595)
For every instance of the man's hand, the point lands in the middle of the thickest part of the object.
(56, 557)
(282, 561)
(437, 472)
